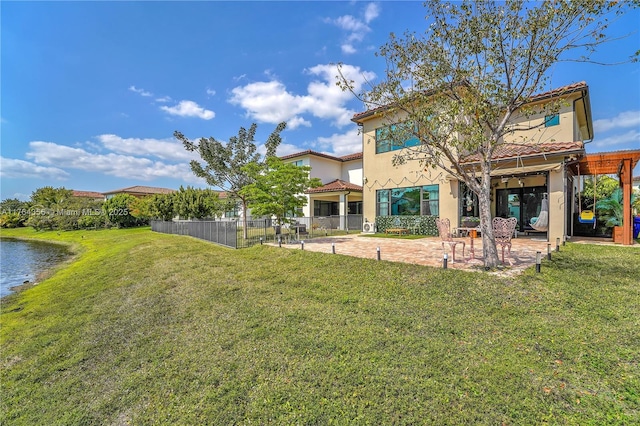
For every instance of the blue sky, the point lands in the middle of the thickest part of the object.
(91, 92)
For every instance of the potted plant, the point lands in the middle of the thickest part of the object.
(612, 212)
(470, 222)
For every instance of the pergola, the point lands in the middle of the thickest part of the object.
(620, 163)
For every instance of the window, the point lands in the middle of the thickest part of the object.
(298, 163)
(382, 205)
(413, 201)
(551, 120)
(431, 200)
(354, 207)
(325, 208)
(234, 211)
(388, 138)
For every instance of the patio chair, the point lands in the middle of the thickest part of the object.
(302, 231)
(444, 229)
(503, 230)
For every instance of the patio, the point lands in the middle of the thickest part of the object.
(427, 251)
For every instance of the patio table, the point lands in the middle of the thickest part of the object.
(463, 231)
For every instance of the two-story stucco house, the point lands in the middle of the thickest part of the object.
(532, 167)
(341, 192)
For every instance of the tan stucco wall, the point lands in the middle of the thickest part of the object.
(566, 131)
(557, 205)
(380, 173)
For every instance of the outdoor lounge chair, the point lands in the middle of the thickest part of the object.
(444, 229)
(503, 230)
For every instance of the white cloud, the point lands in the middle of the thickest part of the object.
(270, 101)
(189, 109)
(371, 12)
(623, 120)
(348, 49)
(141, 92)
(112, 164)
(356, 28)
(349, 23)
(166, 149)
(164, 99)
(632, 138)
(211, 92)
(342, 144)
(284, 149)
(20, 169)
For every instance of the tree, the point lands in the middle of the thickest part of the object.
(191, 203)
(156, 206)
(278, 188)
(604, 187)
(13, 213)
(118, 210)
(49, 197)
(223, 163)
(458, 86)
(612, 208)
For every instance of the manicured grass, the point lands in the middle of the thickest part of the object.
(147, 328)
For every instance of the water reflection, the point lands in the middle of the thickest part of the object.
(22, 261)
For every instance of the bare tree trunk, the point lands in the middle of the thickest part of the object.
(488, 240)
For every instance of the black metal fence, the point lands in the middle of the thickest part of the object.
(230, 233)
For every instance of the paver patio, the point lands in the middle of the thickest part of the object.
(426, 251)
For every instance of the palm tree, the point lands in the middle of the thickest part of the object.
(611, 207)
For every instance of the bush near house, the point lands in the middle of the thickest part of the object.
(422, 225)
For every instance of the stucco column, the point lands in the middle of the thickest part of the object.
(557, 204)
(626, 177)
(344, 200)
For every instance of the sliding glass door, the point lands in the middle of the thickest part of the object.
(522, 203)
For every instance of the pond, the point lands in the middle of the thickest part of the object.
(22, 261)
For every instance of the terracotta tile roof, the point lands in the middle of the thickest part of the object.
(351, 157)
(142, 190)
(336, 186)
(87, 194)
(564, 90)
(320, 154)
(507, 151)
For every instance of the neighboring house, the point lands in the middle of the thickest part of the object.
(92, 195)
(138, 191)
(523, 174)
(341, 192)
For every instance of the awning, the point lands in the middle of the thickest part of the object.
(498, 171)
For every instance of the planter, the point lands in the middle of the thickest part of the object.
(470, 224)
(617, 234)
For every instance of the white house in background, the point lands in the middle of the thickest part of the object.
(341, 192)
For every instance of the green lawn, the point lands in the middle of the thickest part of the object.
(147, 328)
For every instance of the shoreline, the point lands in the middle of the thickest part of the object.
(45, 273)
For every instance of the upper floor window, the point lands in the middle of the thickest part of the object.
(298, 163)
(551, 120)
(394, 137)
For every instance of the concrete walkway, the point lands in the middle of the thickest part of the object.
(427, 251)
